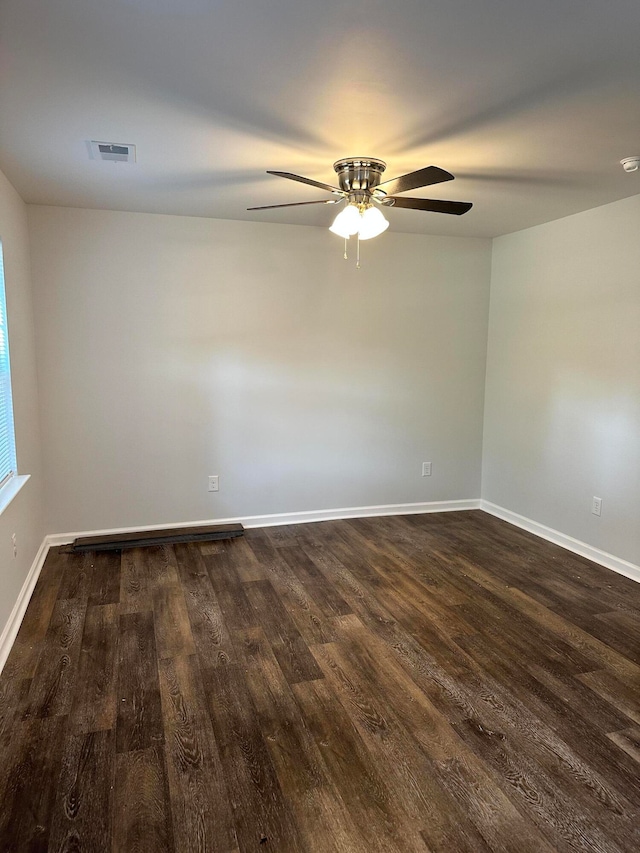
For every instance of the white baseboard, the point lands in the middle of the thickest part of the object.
(10, 631)
(285, 518)
(603, 558)
(623, 567)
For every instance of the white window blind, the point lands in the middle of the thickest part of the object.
(7, 433)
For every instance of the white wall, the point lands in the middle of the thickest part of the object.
(171, 348)
(23, 516)
(562, 408)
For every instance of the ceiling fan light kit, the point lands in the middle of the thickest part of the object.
(347, 222)
(366, 222)
(361, 187)
(373, 223)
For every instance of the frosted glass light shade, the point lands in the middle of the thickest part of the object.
(347, 222)
(372, 223)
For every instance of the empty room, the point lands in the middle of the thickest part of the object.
(319, 426)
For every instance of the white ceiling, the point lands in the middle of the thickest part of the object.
(530, 104)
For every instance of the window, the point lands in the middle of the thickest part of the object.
(7, 433)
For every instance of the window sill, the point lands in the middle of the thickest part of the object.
(11, 489)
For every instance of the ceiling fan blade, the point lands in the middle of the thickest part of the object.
(457, 208)
(297, 204)
(422, 178)
(309, 181)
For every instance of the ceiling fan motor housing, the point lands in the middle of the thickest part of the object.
(360, 185)
(358, 176)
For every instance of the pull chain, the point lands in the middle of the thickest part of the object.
(345, 250)
(358, 252)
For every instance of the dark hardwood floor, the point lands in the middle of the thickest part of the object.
(436, 683)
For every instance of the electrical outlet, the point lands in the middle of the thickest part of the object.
(14, 542)
(596, 506)
(426, 469)
(213, 483)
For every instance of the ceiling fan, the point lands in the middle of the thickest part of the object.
(362, 189)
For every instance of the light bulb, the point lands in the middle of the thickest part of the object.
(347, 222)
(372, 223)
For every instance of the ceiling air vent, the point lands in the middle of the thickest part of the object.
(116, 152)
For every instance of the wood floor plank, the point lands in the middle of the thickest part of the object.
(243, 559)
(621, 695)
(435, 663)
(323, 594)
(54, 681)
(574, 694)
(291, 651)
(319, 811)
(139, 721)
(208, 548)
(569, 822)
(201, 812)
(629, 741)
(352, 770)
(549, 622)
(259, 807)
(208, 628)
(482, 607)
(313, 624)
(557, 738)
(141, 812)
(104, 586)
(14, 695)
(466, 701)
(162, 567)
(95, 701)
(282, 535)
(83, 815)
(135, 588)
(236, 608)
(530, 641)
(438, 683)
(29, 779)
(77, 577)
(417, 799)
(619, 630)
(171, 620)
(367, 667)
